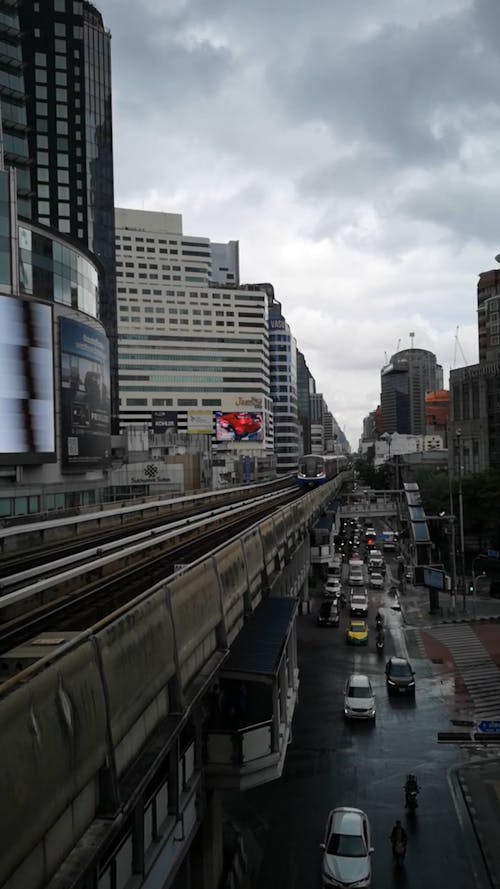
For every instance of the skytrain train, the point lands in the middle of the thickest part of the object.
(315, 469)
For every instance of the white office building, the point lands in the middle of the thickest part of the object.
(193, 354)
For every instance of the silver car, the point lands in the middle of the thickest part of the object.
(359, 700)
(347, 850)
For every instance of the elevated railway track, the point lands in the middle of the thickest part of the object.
(76, 591)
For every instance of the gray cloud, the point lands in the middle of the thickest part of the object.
(348, 146)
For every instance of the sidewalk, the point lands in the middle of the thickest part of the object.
(479, 780)
(414, 603)
(480, 785)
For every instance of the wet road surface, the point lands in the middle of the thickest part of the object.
(332, 762)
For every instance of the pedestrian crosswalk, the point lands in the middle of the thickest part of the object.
(479, 673)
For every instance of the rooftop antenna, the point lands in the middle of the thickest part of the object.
(412, 336)
(398, 344)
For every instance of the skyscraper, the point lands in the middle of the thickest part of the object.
(13, 104)
(405, 381)
(67, 72)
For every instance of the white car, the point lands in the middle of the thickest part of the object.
(358, 604)
(332, 587)
(359, 700)
(347, 850)
(377, 580)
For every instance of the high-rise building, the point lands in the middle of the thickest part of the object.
(474, 425)
(283, 372)
(192, 353)
(13, 105)
(488, 299)
(305, 388)
(67, 74)
(405, 381)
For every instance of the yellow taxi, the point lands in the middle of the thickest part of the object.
(357, 632)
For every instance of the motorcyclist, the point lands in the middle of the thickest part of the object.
(398, 839)
(411, 787)
(379, 620)
(343, 600)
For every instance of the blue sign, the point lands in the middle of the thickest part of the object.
(490, 726)
(493, 554)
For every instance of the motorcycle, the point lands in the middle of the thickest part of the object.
(399, 852)
(342, 600)
(379, 622)
(380, 641)
(411, 793)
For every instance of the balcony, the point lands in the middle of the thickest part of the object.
(249, 719)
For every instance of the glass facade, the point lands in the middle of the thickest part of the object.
(53, 271)
(13, 103)
(66, 53)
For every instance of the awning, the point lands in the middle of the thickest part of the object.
(258, 646)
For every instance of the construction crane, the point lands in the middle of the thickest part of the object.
(458, 348)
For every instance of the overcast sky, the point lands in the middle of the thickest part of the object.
(351, 146)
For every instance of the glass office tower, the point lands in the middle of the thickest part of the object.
(67, 72)
(13, 103)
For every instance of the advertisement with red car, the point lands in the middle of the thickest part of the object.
(239, 426)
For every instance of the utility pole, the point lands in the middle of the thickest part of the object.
(461, 520)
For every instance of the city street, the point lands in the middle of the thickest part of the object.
(332, 762)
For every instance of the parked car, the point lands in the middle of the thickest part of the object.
(377, 580)
(399, 676)
(357, 632)
(347, 849)
(358, 603)
(359, 700)
(328, 614)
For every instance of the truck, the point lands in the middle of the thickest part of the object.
(356, 575)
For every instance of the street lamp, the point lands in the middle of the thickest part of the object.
(443, 517)
(458, 434)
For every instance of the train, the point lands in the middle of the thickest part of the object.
(316, 469)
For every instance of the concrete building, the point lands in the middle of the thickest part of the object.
(225, 263)
(474, 424)
(193, 355)
(410, 374)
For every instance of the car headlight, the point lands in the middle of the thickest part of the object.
(391, 682)
(412, 682)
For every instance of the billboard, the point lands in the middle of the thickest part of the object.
(163, 420)
(27, 433)
(241, 426)
(85, 406)
(200, 422)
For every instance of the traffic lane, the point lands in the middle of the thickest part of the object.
(331, 762)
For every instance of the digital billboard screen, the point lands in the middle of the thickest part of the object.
(241, 426)
(85, 404)
(27, 433)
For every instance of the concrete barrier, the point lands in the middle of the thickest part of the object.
(231, 568)
(269, 548)
(195, 602)
(52, 746)
(253, 550)
(138, 659)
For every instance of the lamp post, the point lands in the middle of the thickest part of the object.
(461, 519)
